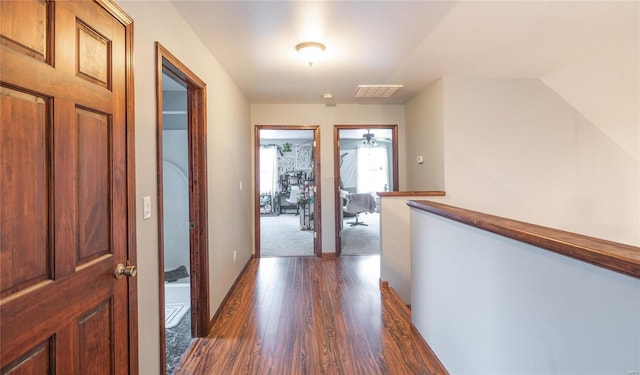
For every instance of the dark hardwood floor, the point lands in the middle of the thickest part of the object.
(311, 315)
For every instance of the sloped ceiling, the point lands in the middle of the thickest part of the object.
(411, 43)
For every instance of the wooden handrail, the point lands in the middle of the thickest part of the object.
(607, 254)
(411, 194)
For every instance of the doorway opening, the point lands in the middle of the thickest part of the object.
(287, 191)
(182, 208)
(365, 163)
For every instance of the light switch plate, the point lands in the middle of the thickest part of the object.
(146, 211)
(420, 159)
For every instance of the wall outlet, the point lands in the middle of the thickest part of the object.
(234, 255)
(240, 185)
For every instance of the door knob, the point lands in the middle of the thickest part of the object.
(121, 270)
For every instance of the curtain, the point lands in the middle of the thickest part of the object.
(268, 170)
(372, 170)
(348, 169)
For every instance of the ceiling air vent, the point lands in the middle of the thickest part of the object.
(376, 91)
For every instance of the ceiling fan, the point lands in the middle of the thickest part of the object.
(369, 139)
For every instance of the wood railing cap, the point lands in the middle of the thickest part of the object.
(614, 256)
(427, 193)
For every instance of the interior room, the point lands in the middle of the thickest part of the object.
(176, 246)
(287, 197)
(366, 167)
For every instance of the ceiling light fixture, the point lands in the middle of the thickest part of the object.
(368, 140)
(310, 51)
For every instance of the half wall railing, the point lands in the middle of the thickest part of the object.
(497, 296)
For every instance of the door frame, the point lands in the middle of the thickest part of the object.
(336, 170)
(198, 216)
(317, 212)
(132, 255)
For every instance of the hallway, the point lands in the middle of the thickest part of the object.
(310, 315)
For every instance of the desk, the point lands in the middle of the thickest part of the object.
(283, 204)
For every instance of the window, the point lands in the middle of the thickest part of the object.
(268, 169)
(372, 170)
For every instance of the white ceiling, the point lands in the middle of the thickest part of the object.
(412, 43)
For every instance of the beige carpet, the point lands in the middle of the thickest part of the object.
(281, 236)
(361, 239)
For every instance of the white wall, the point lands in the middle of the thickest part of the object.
(605, 89)
(425, 130)
(515, 148)
(562, 151)
(395, 243)
(228, 159)
(175, 173)
(487, 304)
(326, 118)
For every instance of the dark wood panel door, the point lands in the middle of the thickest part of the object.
(63, 189)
